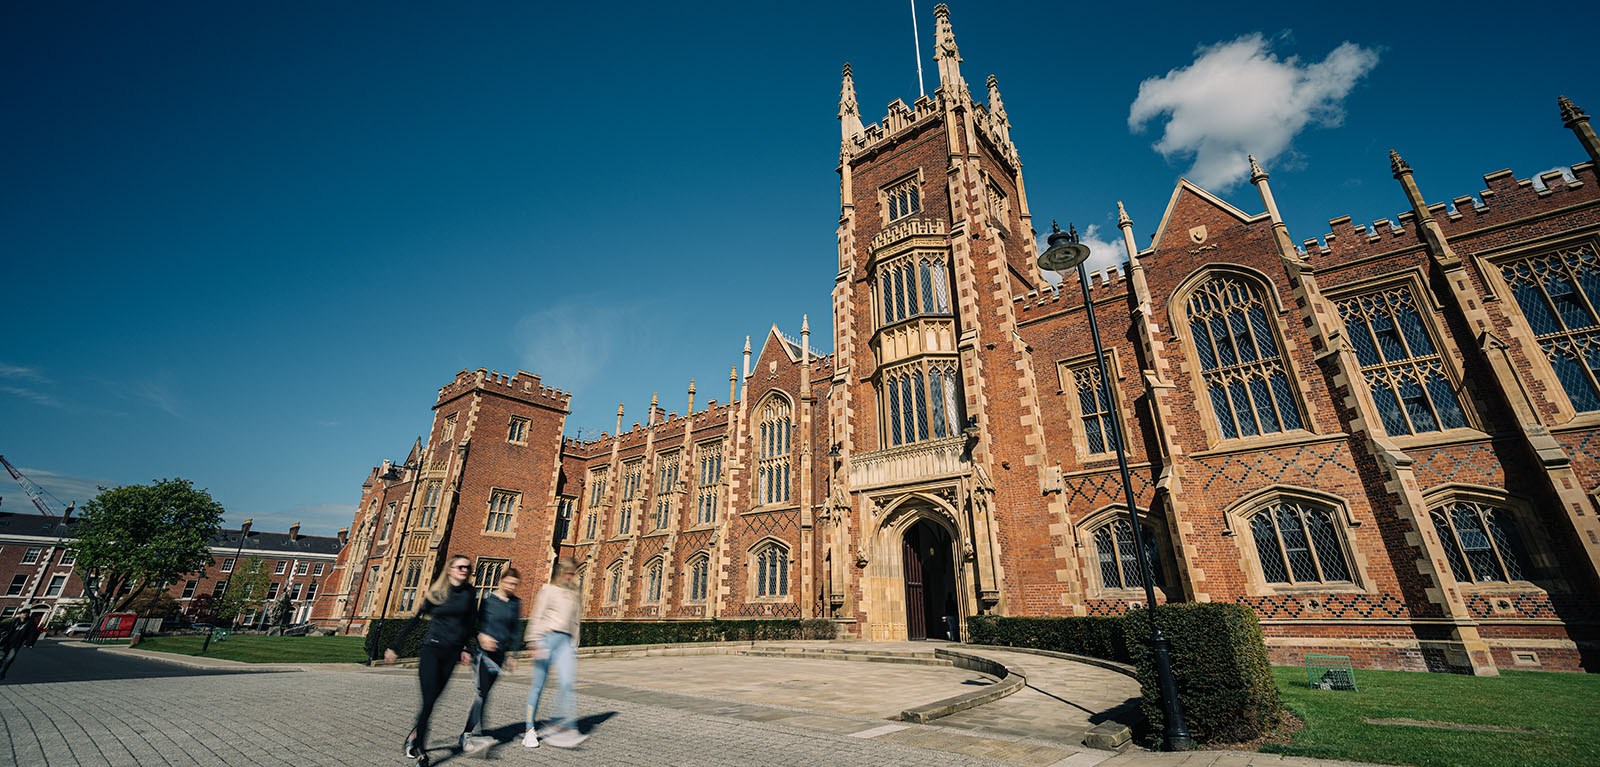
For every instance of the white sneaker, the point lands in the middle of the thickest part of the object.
(566, 739)
(530, 740)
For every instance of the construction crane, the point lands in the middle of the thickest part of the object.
(37, 493)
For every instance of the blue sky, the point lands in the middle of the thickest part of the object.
(245, 246)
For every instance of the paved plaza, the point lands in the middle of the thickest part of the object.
(638, 711)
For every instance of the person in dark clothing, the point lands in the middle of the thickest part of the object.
(12, 634)
(452, 604)
(498, 616)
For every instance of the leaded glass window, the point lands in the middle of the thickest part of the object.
(710, 482)
(631, 474)
(1243, 370)
(912, 285)
(772, 571)
(1298, 543)
(1400, 363)
(501, 507)
(1481, 542)
(903, 198)
(653, 581)
(699, 567)
(1558, 293)
(614, 583)
(1119, 562)
(921, 401)
(773, 468)
(1094, 408)
(430, 504)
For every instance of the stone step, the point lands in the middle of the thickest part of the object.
(838, 650)
(913, 660)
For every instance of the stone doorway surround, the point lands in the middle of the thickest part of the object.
(883, 583)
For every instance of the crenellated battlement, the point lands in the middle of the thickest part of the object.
(522, 385)
(899, 120)
(1504, 200)
(1104, 284)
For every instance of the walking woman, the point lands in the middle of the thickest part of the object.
(553, 634)
(498, 636)
(451, 602)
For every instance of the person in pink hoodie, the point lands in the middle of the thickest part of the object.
(553, 635)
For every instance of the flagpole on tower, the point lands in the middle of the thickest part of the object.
(917, 39)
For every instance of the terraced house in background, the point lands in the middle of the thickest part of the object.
(1385, 441)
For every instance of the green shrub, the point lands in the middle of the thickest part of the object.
(1219, 661)
(1102, 638)
(609, 633)
(380, 632)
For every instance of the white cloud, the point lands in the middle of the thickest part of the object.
(22, 373)
(64, 487)
(1239, 98)
(1102, 252)
(34, 396)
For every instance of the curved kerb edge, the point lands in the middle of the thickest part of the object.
(1011, 680)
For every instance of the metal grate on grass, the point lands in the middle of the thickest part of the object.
(1330, 672)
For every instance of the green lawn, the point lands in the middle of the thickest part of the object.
(265, 649)
(1559, 709)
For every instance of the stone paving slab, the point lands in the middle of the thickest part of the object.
(359, 716)
(880, 690)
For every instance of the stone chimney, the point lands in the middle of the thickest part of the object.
(294, 532)
(344, 532)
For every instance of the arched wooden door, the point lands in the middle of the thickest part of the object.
(916, 609)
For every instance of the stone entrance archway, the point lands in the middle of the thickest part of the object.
(928, 561)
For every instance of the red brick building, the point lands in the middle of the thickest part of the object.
(37, 573)
(1386, 442)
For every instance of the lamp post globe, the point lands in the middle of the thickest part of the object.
(1065, 252)
(1063, 255)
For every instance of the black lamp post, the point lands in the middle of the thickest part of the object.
(1064, 254)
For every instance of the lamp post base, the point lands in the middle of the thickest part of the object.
(1175, 730)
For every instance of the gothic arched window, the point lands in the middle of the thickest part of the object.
(1480, 541)
(772, 570)
(921, 401)
(652, 581)
(1558, 293)
(1402, 367)
(1119, 562)
(1297, 542)
(614, 582)
(1241, 365)
(699, 569)
(773, 468)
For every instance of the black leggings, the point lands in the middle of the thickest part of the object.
(486, 679)
(434, 665)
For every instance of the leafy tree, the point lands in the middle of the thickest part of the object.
(155, 604)
(131, 538)
(246, 590)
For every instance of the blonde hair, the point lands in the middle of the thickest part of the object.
(439, 590)
(564, 565)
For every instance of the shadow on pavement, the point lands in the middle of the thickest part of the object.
(51, 661)
(510, 736)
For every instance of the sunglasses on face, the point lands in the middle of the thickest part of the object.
(462, 567)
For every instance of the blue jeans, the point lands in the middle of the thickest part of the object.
(564, 657)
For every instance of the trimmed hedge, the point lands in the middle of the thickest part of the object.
(380, 632)
(1102, 638)
(608, 633)
(1219, 661)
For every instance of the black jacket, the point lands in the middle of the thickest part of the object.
(452, 622)
(499, 618)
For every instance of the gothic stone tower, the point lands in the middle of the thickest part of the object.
(936, 515)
